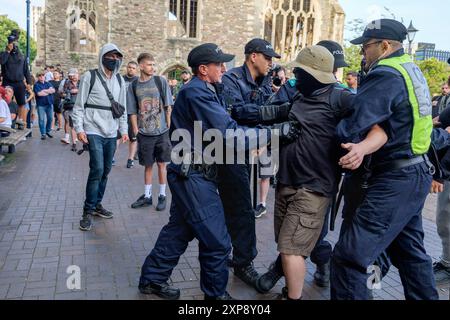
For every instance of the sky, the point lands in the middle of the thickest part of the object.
(430, 16)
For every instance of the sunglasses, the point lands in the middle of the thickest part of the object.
(366, 46)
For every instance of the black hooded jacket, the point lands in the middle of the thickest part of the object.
(14, 67)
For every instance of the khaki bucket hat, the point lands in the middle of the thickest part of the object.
(318, 62)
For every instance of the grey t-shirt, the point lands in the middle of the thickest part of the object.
(148, 107)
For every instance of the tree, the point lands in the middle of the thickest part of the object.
(353, 57)
(436, 72)
(6, 26)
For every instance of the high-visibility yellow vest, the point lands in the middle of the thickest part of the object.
(419, 98)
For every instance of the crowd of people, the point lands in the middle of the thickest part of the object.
(377, 150)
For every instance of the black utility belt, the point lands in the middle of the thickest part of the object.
(93, 106)
(209, 171)
(400, 164)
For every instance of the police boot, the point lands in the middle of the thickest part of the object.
(269, 279)
(225, 296)
(163, 291)
(248, 274)
(322, 275)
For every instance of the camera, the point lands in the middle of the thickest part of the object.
(85, 148)
(14, 36)
(276, 80)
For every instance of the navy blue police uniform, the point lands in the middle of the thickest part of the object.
(196, 210)
(244, 98)
(399, 175)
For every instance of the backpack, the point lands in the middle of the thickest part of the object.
(94, 78)
(159, 85)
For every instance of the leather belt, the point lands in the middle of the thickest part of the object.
(400, 164)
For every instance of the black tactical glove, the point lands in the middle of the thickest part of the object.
(274, 113)
(287, 131)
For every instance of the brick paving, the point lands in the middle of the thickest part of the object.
(42, 192)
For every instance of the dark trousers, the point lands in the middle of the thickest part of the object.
(195, 212)
(388, 220)
(234, 190)
(101, 152)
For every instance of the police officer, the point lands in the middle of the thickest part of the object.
(397, 127)
(196, 210)
(246, 90)
(288, 91)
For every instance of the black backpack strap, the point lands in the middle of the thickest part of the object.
(162, 94)
(93, 76)
(119, 78)
(133, 87)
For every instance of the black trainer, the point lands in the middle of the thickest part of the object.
(163, 291)
(43, 137)
(322, 275)
(130, 164)
(161, 203)
(260, 211)
(248, 274)
(441, 272)
(268, 280)
(74, 147)
(49, 135)
(86, 221)
(142, 202)
(225, 296)
(102, 212)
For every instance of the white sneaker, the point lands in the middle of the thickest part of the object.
(65, 141)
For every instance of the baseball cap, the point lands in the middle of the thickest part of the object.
(337, 51)
(318, 62)
(208, 53)
(73, 71)
(261, 46)
(387, 29)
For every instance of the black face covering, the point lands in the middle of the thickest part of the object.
(110, 64)
(306, 83)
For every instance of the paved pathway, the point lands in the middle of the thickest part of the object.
(41, 198)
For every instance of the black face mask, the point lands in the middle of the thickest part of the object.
(110, 64)
(306, 83)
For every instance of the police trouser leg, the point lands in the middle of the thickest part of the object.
(234, 189)
(171, 244)
(393, 200)
(196, 212)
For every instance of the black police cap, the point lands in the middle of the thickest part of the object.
(261, 46)
(387, 29)
(337, 51)
(208, 53)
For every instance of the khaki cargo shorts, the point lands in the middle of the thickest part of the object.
(299, 218)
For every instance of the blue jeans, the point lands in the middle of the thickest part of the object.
(43, 112)
(101, 152)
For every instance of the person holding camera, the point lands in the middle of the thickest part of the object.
(68, 90)
(14, 70)
(99, 111)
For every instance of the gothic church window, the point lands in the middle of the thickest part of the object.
(289, 25)
(186, 12)
(82, 25)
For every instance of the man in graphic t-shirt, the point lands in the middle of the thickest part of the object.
(149, 102)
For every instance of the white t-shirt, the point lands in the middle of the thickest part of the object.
(4, 113)
(49, 76)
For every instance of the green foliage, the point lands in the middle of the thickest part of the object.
(353, 58)
(75, 58)
(436, 72)
(6, 26)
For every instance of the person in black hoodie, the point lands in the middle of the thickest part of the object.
(15, 70)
